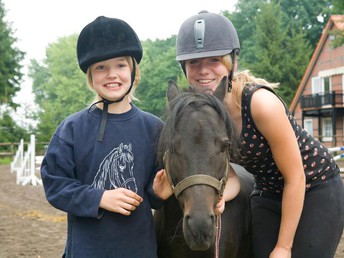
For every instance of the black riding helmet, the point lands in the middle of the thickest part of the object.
(204, 35)
(103, 39)
(106, 38)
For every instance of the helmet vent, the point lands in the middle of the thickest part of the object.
(199, 29)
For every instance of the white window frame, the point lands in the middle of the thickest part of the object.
(327, 131)
(343, 86)
(318, 84)
(308, 126)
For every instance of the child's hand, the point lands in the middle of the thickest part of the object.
(220, 206)
(161, 185)
(120, 200)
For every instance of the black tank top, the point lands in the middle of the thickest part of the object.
(318, 163)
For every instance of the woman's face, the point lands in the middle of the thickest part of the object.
(206, 72)
(111, 78)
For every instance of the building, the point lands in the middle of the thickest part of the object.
(318, 103)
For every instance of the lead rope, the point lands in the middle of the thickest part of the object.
(218, 236)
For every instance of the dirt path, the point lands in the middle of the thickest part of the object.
(30, 227)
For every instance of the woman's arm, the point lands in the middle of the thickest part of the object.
(231, 190)
(269, 115)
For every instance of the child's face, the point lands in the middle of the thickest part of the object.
(206, 72)
(111, 78)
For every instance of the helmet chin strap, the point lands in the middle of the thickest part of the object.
(107, 102)
(234, 53)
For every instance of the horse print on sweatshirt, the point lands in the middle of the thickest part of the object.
(116, 170)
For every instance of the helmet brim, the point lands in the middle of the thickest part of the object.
(184, 57)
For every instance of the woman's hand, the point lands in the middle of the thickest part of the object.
(280, 252)
(120, 200)
(220, 206)
(161, 185)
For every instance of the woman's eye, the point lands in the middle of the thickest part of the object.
(214, 60)
(193, 62)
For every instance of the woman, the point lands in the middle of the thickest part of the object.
(297, 207)
(101, 161)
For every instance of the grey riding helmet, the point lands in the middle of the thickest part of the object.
(204, 35)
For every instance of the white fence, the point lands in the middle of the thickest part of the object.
(337, 149)
(338, 155)
(25, 164)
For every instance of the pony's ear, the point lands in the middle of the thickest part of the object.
(172, 90)
(220, 91)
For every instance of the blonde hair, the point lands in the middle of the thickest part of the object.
(89, 80)
(242, 79)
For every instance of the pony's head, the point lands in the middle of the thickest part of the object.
(196, 145)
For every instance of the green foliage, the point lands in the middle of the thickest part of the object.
(339, 38)
(5, 160)
(337, 7)
(278, 52)
(10, 74)
(305, 15)
(157, 67)
(9, 130)
(59, 86)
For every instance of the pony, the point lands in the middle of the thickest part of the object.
(195, 147)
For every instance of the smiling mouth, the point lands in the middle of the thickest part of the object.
(112, 85)
(205, 81)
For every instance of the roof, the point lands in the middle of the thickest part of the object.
(334, 22)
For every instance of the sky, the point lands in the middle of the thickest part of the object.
(36, 23)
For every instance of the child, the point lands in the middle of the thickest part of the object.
(101, 161)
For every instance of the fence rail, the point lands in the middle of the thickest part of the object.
(8, 149)
(25, 163)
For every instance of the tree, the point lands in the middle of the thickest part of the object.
(274, 46)
(244, 20)
(10, 67)
(305, 14)
(59, 86)
(9, 130)
(309, 15)
(157, 67)
(338, 8)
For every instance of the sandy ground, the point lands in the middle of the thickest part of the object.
(30, 227)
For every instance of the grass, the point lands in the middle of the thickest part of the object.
(5, 161)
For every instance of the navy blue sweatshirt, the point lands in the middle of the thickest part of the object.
(77, 169)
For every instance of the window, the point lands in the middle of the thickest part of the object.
(308, 125)
(343, 85)
(316, 85)
(327, 129)
(321, 85)
(327, 84)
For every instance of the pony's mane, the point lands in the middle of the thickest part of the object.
(195, 99)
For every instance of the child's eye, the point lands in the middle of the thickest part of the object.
(122, 65)
(100, 67)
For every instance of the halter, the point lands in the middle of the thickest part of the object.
(198, 179)
(201, 179)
